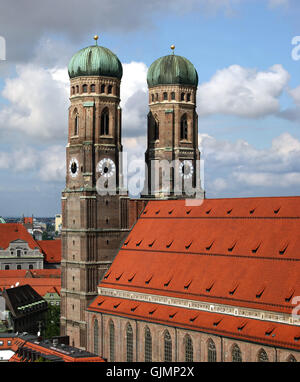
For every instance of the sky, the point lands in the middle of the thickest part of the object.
(246, 53)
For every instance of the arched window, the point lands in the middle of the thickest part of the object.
(291, 358)
(111, 341)
(172, 95)
(165, 95)
(73, 90)
(84, 88)
(102, 88)
(236, 354)
(262, 356)
(129, 343)
(152, 97)
(76, 123)
(211, 351)
(104, 128)
(156, 96)
(156, 129)
(188, 349)
(77, 89)
(182, 96)
(93, 88)
(167, 347)
(109, 89)
(96, 337)
(183, 127)
(148, 345)
(188, 97)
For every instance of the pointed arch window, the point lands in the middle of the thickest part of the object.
(211, 351)
(262, 356)
(188, 349)
(129, 343)
(84, 88)
(111, 341)
(96, 337)
(76, 122)
(104, 128)
(156, 129)
(165, 96)
(148, 345)
(236, 354)
(167, 347)
(183, 127)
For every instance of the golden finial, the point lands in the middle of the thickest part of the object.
(96, 38)
(173, 47)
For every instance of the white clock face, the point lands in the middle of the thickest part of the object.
(73, 167)
(106, 167)
(186, 169)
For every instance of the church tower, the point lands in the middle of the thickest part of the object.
(94, 204)
(172, 156)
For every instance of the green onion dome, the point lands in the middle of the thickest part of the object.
(95, 61)
(172, 70)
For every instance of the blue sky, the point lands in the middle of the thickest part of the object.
(248, 93)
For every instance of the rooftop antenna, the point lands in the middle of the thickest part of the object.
(96, 39)
(173, 47)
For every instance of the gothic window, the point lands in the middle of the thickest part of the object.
(236, 354)
(165, 95)
(188, 97)
(156, 129)
(129, 343)
(183, 127)
(148, 345)
(211, 351)
(182, 96)
(262, 356)
(188, 348)
(167, 347)
(291, 358)
(111, 341)
(109, 89)
(104, 129)
(102, 88)
(96, 337)
(84, 88)
(172, 95)
(76, 124)
(93, 88)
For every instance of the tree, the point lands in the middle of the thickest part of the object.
(52, 321)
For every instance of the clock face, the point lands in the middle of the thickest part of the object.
(73, 167)
(186, 169)
(106, 167)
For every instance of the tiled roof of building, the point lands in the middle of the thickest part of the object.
(236, 252)
(28, 347)
(51, 249)
(13, 231)
(31, 273)
(41, 285)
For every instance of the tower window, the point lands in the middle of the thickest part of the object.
(188, 97)
(156, 129)
(76, 124)
(77, 89)
(73, 90)
(172, 95)
(93, 88)
(182, 96)
(165, 95)
(104, 129)
(152, 97)
(84, 88)
(109, 89)
(156, 96)
(183, 127)
(102, 88)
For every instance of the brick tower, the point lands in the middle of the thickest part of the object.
(172, 156)
(94, 205)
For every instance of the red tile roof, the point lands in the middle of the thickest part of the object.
(13, 231)
(41, 285)
(20, 273)
(28, 220)
(51, 249)
(239, 252)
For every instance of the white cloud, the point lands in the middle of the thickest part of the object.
(243, 92)
(278, 3)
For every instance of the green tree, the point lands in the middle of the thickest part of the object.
(51, 324)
